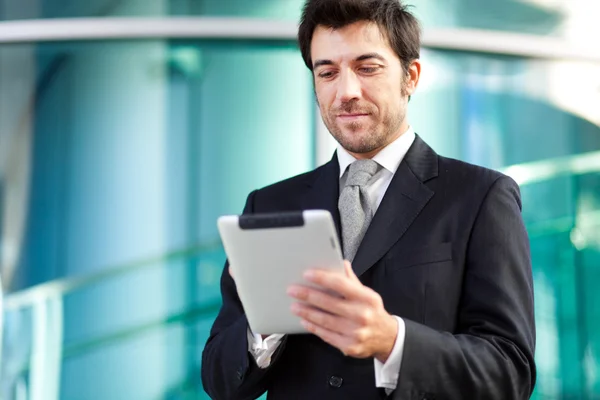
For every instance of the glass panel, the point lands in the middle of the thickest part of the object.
(498, 111)
(268, 9)
(571, 20)
(586, 239)
(121, 155)
(521, 116)
(118, 151)
(105, 338)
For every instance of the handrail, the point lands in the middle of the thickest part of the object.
(48, 350)
(538, 171)
(60, 287)
(186, 316)
(562, 224)
(1, 322)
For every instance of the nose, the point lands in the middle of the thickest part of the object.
(349, 87)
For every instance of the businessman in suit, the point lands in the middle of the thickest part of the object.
(437, 299)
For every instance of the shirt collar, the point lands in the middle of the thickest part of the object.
(389, 157)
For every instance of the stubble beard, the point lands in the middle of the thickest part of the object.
(377, 136)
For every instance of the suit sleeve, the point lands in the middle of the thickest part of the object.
(491, 355)
(228, 369)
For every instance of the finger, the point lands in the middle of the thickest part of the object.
(357, 311)
(324, 301)
(230, 273)
(333, 338)
(345, 286)
(321, 318)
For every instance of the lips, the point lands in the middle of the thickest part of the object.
(351, 117)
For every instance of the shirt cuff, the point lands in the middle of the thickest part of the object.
(262, 350)
(386, 375)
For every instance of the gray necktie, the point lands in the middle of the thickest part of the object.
(355, 209)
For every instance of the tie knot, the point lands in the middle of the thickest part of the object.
(360, 172)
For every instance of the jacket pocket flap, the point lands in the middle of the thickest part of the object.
(420, 255)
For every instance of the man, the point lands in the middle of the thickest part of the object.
(437, 302)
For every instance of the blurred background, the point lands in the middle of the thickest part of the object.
(128, 126)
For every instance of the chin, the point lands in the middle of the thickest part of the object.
(355, 136)
(358, 147)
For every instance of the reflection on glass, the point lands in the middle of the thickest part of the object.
(268, 9)
(516, 115)
(120, 156)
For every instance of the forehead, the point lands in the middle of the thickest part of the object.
(349, 41)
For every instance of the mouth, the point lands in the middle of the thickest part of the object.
(351, 117)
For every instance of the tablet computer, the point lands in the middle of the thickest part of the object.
(268, 253)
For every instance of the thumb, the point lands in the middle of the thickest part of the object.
(349, 271)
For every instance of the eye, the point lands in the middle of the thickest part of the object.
(369, 70)
(326, 74)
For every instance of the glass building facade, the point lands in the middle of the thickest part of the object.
(117, 157)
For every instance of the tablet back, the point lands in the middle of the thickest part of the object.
(268, 253)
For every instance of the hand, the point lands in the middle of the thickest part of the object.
(355, 322)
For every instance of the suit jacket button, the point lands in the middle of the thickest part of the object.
(336, 381)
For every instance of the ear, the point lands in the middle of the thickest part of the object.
(412, 80)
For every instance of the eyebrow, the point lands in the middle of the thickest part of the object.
(369, 56)
(319, 63)
(363, 57)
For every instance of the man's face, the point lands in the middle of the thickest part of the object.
(361, 87)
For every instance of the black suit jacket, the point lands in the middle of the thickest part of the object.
(447, 251)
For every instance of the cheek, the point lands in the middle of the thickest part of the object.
(387, 102)
(324, 105)
(325, 96)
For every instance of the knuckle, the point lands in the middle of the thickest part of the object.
(306, 294)
(321, 300)
(352, 350)
(377, 300)
(374, 298)
(360, 335)
(322, 319)
(355, 351)
(365, 317)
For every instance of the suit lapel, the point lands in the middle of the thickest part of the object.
(324, 192)
(403, 201)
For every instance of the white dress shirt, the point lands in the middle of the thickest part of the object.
(389, 158)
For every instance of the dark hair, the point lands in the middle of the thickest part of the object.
(399, 26)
